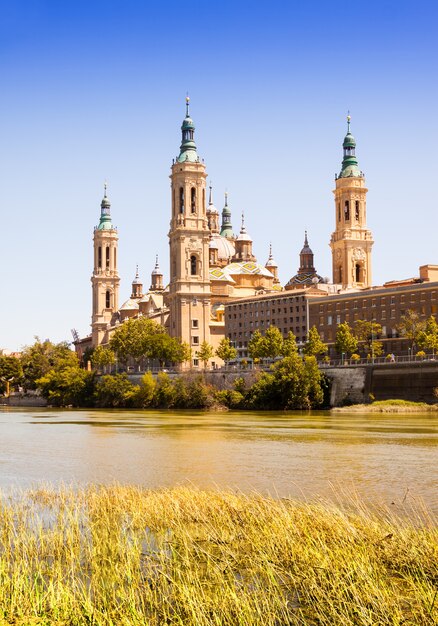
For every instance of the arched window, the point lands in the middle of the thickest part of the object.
(193, 264)
(358, 273)
(203, 199)
(193, 200)
(357, 210)
(115, 257)
(347, 210)
(107, 257)
(339, 212)
(181, 200)
(99, 257)
(107, 300)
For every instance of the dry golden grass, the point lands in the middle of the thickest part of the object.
(124, 556)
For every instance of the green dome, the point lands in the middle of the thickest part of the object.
(349, 141)
(188, 123)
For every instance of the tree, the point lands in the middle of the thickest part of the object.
(115, 391)
(411, 326)
(367, 334)
(289, 346)
(135, 338)
(226, 351)
(314, 345)
(272, 343)
(10, 372)
(427, 339)
(293, 384)
(68, 385)
(255, 345)
(42, 356)
(205, 352)
(102, 356)
(346, 342)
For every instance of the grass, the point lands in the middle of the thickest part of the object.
(389, 406)
(123, 556)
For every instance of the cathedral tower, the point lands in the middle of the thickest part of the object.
(105, 279)
(351, 241)
(189, 239)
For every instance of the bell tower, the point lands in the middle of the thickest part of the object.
(105, 279)
(351, 242)
(189, 238)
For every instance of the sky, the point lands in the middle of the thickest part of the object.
(94, 90)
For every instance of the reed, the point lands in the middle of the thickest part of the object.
(125, 556)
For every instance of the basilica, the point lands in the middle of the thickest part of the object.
(211, 265)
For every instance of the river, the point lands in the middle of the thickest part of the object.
(390, 459)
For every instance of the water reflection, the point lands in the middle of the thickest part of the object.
(296, 455)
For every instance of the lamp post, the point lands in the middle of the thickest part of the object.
(342, 358)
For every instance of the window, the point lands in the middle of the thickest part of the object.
(181, 200)
(193, 265)
(357, 210)
(195, 340)
(107, 300)
(99, 257)
(329, 320)
(107, 258)
(347, 210)
(195, 323)
(193, 200)
(338, 319)
(195, 362)
(339, 212)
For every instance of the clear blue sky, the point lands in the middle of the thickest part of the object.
(94, 90)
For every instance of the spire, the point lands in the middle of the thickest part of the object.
(156, 277)
(226, 229)
(349, 162)
(188, 146)
(137, 285)
(272, 266)
(210, 196)
(306, 257)
(242, 228)
(105, 211)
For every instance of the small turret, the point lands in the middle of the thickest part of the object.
(137, 287)
(226, 228)
(156, 277)
(212, 214)
(272, 266)
(243, 245)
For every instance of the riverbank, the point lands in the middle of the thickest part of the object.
(388, 406)
(122, 555)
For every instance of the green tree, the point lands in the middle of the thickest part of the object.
(314, 345)
(67, 385)
(272, 343)
(411, 326)
(427, 339)
(367, 334)
(10, 372)
(135, 339)
(115, 391)
(346, 342)
(205, 352)
(289, 346)
(255, 345)
(42, 356)
(145, 394)
(226, 351)
(102, 357)
(293, 384)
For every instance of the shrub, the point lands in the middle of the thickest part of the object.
(115, 391)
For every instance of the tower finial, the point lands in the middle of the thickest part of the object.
(306, 243)
(226, 198)
(136, 271)
(270, 251)
(105, 185)
(210, 197)
(242, 229)
(187, 105)
(348, 120)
